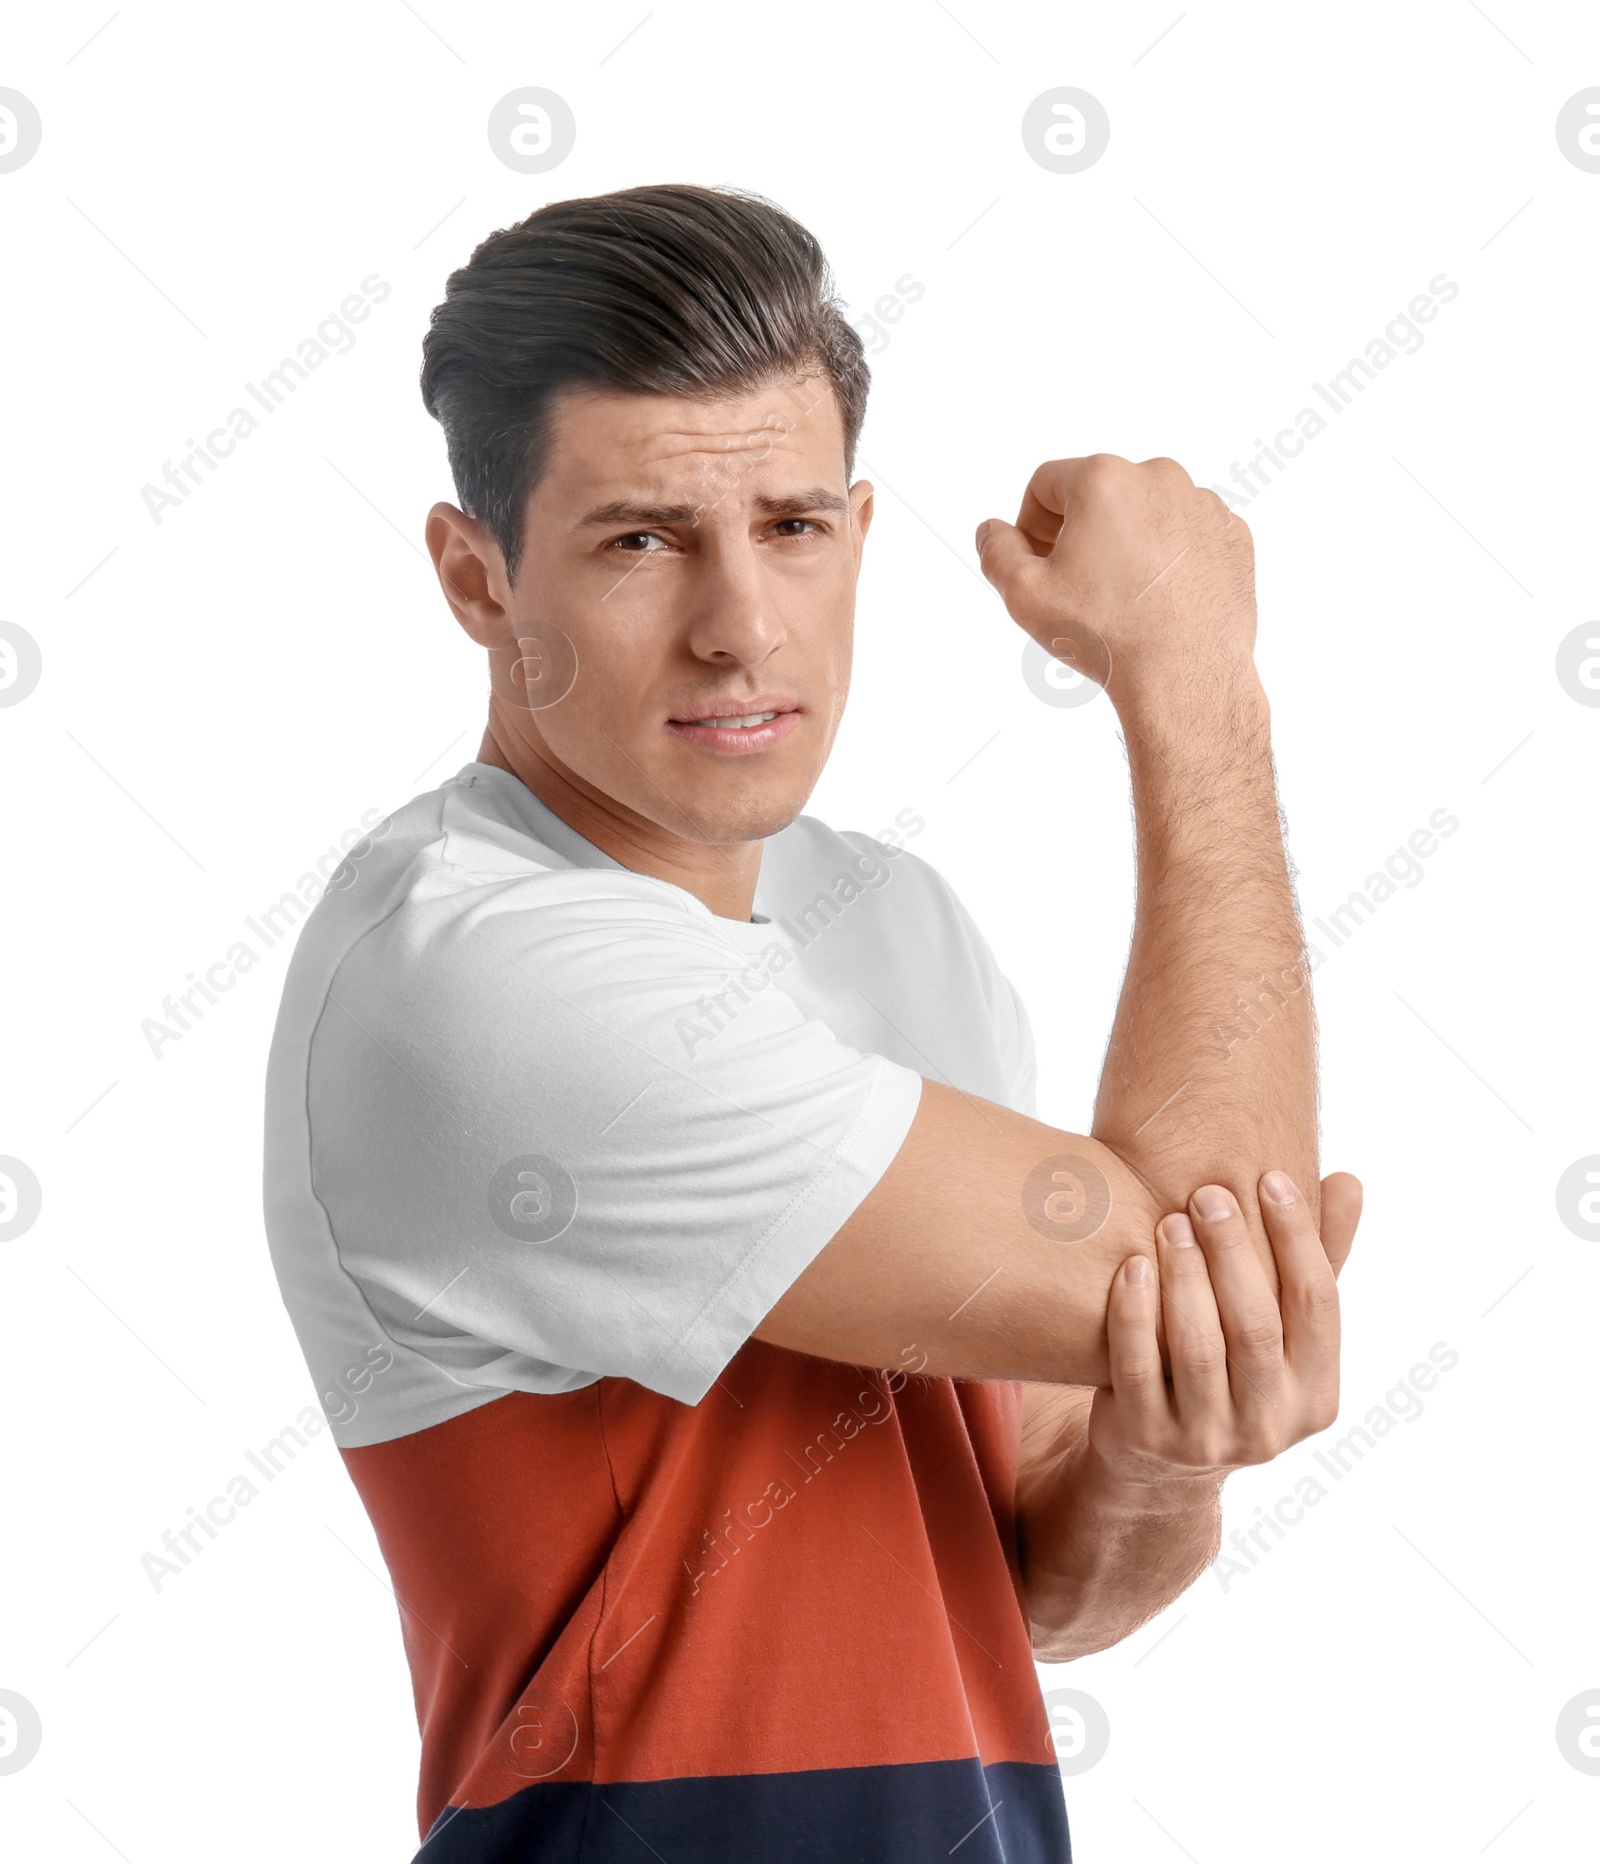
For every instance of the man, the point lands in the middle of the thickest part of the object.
(744, 1385)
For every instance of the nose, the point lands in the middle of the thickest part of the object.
(735, 612)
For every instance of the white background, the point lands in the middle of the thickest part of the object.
(226, 692)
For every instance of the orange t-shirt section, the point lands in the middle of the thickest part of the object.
(814, 1567)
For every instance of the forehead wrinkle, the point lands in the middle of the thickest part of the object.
(684, 474)
(679, 444)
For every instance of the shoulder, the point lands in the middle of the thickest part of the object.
(452, 922)
(454, 855)
(814, 858)
(918, 907)
(812, 854)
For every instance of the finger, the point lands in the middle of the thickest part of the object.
(1245, 1301)
(1050, 494)
(1004, 555)
(1195, 1346)
(1135, 1353)
(1341, 1212)
(1308, 1297)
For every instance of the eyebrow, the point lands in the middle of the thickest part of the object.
(772, 505)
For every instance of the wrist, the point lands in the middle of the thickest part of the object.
(1208, 692)
(1135, 1493)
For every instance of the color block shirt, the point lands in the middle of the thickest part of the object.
(546, 1140)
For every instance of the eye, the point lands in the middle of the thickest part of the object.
(811, 522)
(634, 542)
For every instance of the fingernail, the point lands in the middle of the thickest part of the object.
(1278, 1186)
(1177, 1231)
(1137, 1273)
(983, 531)
(1212, 1202)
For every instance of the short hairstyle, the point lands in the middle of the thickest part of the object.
(674, 289)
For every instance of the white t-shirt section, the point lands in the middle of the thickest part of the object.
(534, 1119)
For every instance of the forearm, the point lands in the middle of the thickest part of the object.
(1099, 1559)
(1147, 582)
(1210, 1075)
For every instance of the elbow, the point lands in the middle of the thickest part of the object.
(1062, 1624)
(1066, 1643)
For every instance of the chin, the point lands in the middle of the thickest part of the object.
(750, 817)
(755, 824)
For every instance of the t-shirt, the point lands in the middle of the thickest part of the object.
(546, 1139)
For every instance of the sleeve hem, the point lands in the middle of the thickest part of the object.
(691, 1365)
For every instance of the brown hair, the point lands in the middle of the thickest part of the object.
(667, 290)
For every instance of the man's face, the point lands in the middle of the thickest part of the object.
(701, 558)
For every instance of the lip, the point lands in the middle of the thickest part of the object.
(732, 707)
(739, 742)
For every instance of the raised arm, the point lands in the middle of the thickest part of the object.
(991, 1241)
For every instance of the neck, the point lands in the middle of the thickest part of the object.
(722, 876)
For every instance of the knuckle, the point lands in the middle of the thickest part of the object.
(1103, 472)
(1202, 1356)
(1319, 1300)
(1261, 1333)
(1046, 476)
(1259, 1444)
(1161, 467)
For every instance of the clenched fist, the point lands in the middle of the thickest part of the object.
(1131, 574)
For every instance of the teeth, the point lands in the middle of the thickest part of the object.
(737, 724)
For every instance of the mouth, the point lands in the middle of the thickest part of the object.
(735, 727)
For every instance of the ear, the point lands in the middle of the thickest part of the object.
(471, 572)
(860, 514)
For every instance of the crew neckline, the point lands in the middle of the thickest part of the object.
(542, 822)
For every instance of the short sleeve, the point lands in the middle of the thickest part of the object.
(564, 1129)
(1002, 1003)
(1015, 1035)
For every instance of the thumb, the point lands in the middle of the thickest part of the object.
(1004, 554)
(1341, 1212)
